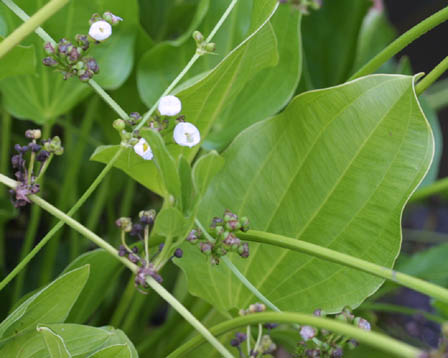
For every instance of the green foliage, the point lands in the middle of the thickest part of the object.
(318, 173)
(20, 61)
(54, 343)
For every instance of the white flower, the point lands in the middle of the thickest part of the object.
(100, 30)
(186, 134)
(169, 106)
(143, 149)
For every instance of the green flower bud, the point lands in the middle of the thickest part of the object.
(119, 124)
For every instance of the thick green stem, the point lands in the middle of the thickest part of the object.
(347, 260)
(60, 224)
(372, 339)
(31, 23)
(401, 42)
(190, 64)
(432, 76)
(166, 295)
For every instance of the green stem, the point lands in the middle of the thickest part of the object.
(166, 295)
(237, 272)
(401, 42)
(387, 307)
(60, 224)
(47, 38)
(437, 187)
(347, 260)
(44, 168)
(432, 76)
(372, 339)
(31, 24)
(190, 64)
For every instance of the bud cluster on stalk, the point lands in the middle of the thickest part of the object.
(224, 230)
(71, 57)
(321, 343)
(30, 164)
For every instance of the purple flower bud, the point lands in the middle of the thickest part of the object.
(64, 47)
(362, 323)
(133, 258)
(73, 55)
(235, 342)
(233, 225)
(92, 65)
(193, 236)
(336, 353)
(83, 41)
(319, 313)
(34, 147)
(135, 117)
(307, 333)
(87, 75)
(228, 215)
(178, 253)
(20, 149)
(111, 18)
(49, 61)
(17, 161)
(240, 336)
(270, 325)
(122, 251)
(137, 229)
(34, 188)
(206, 248)
(135, 250)
(49, 48)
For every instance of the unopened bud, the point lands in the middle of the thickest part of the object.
(362, 323)
(210, 47)
(111, 18)
(92, 65)
(33, 133)
(198, 37)
(50, 62)
(119, 124)
(147, 216)
(49, 48)
(307, 333)
(124, 223)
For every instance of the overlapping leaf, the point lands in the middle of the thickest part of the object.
(335, 169)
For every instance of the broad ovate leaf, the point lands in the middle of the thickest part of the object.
(55, 344)
(335, 168)
(41, 307)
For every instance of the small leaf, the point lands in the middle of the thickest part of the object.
(41, 307)
(115, 351)
(54, 343)
(205, 169)
(170, 223)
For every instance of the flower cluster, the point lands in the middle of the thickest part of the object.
(202, 46)
(141, 229)
(184, 133)
(325, 344)
(28, 175)
(303, 5)
(70, 57)
(225, 240)
(264, 345)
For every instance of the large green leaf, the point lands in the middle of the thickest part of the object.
(336, 169)
(44, 95)
(41, 307)
(21, 60)
(206, 99)
(54, 343)
(330, 40)
(115, 351)
(258, 100)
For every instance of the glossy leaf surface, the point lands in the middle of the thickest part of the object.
(335, 169)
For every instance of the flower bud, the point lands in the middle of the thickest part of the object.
(64, 47)
(243, 250)
(214, 260)
(198, 37)
(111, 18)
(83, 41)
(91, 64)
(336, 352)
(86, 75)
(49, 48)
(307, 333)
(206, 248)
(124, 223)
(193, 236)
(362, 323)
(228, 215)
(233, 225)
(245, 224)
(257, 308)
(169, 106)
(33, 133)
(94, 18)
(319, 313)
(17, 161)
(119, 124)
(178, 253)
(352, 343)
(35, 147)
(73, 55)
(50, 62)
(210, 47)
(147, 216)
(135, 117)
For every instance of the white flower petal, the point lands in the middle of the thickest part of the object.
(100, 30)
(143, 149)
(186, 134)
(170, 106)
